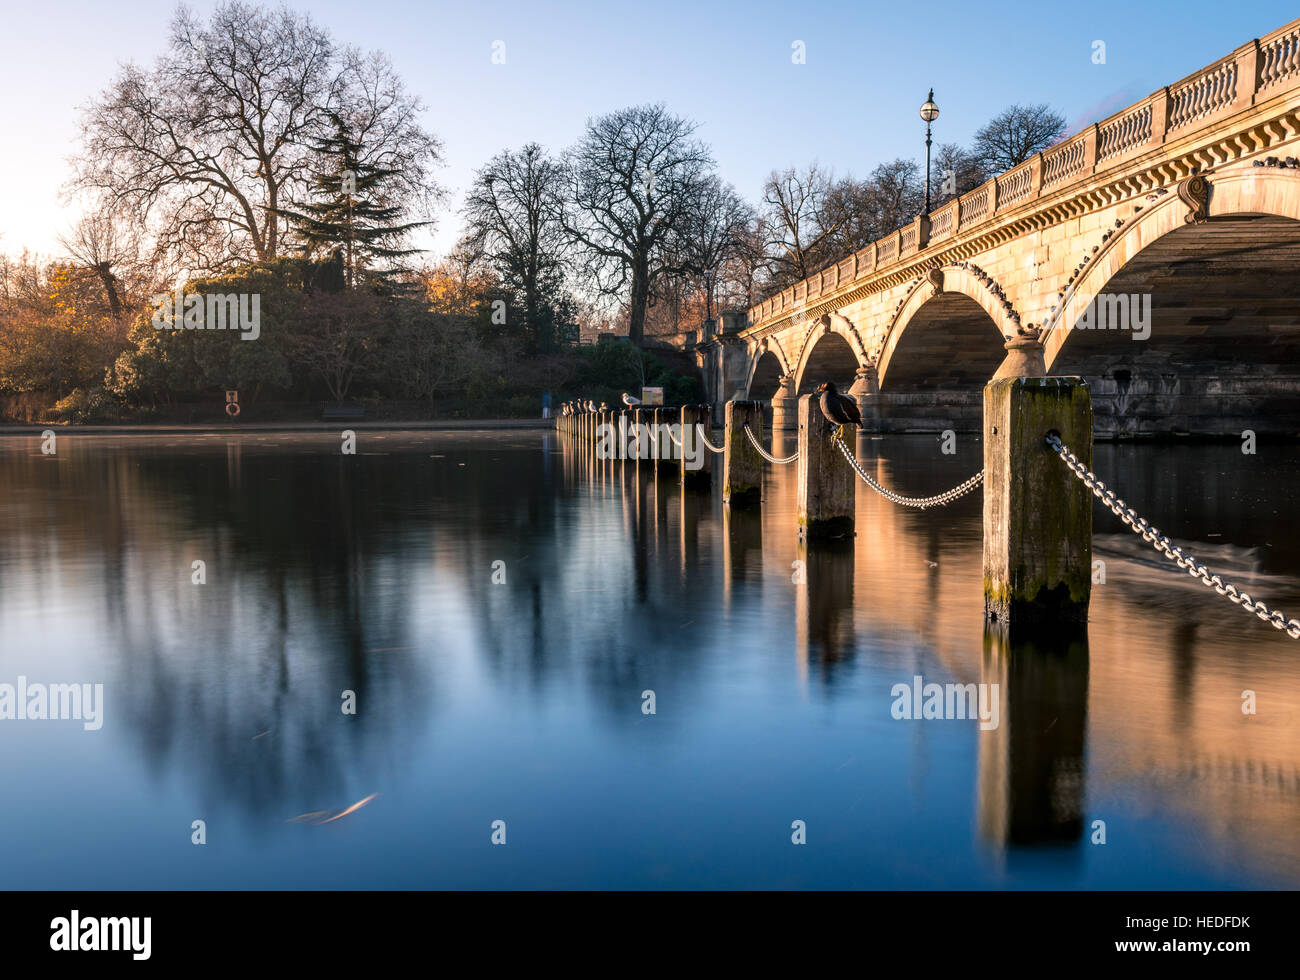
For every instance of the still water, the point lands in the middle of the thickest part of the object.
(522, 701)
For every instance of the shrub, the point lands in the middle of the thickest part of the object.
(82, 406)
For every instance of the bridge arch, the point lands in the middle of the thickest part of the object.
(1215, 342)
(1251, 192)
(768, 365)
(948, 334)
(832, 351)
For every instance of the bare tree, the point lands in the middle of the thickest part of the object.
(852, 209)
(746, 269)
(956, 171)
(214, 142)
(800, 227)
(712, 234)
(632, 180)
(514, 213)
(1015, 134)
(106, 247)
(897, 192)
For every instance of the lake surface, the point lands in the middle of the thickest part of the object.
(522, 700)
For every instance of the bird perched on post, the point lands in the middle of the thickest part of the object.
(839, 408)
(630, 401)
(591, 406)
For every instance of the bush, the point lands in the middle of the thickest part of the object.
(81, 406)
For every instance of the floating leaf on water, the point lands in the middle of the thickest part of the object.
(318, 817)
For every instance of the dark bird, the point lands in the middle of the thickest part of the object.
(839, 408)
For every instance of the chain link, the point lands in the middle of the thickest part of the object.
(1171, 551)
(920, 502)
(705, 439)
(765, 454)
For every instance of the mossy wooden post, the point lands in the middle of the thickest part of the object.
(693, 450)
(827, 485)
(1037, 514)
(742, 466)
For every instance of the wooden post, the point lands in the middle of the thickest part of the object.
(1037, 514)
(827, 484)
(666, 451)
(640, 446)
(604, 443)
(742, 466)
(694, 451)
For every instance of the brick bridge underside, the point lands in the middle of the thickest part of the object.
(1195, 214)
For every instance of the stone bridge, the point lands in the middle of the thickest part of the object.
(1174, 225)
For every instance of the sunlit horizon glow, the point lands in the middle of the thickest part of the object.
(851, 106)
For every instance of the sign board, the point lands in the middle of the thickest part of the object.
(652, 396)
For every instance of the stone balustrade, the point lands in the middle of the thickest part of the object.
(1261, 69)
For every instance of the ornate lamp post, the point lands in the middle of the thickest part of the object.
(929, 112)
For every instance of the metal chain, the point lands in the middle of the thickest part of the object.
(708, 445)
(677, 440)
(1171, 551)
(765, 454)
(921, 502)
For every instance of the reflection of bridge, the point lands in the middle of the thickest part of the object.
(1188, 197)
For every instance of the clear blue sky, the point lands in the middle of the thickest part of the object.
(726, 65)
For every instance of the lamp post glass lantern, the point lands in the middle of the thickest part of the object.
(929, 112)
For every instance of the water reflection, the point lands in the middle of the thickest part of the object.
(824, 604)
(498, 603)
(1031, 767)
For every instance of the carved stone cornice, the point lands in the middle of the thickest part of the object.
(1148, 175)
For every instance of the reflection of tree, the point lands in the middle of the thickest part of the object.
(287, 620)
(588, 594)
